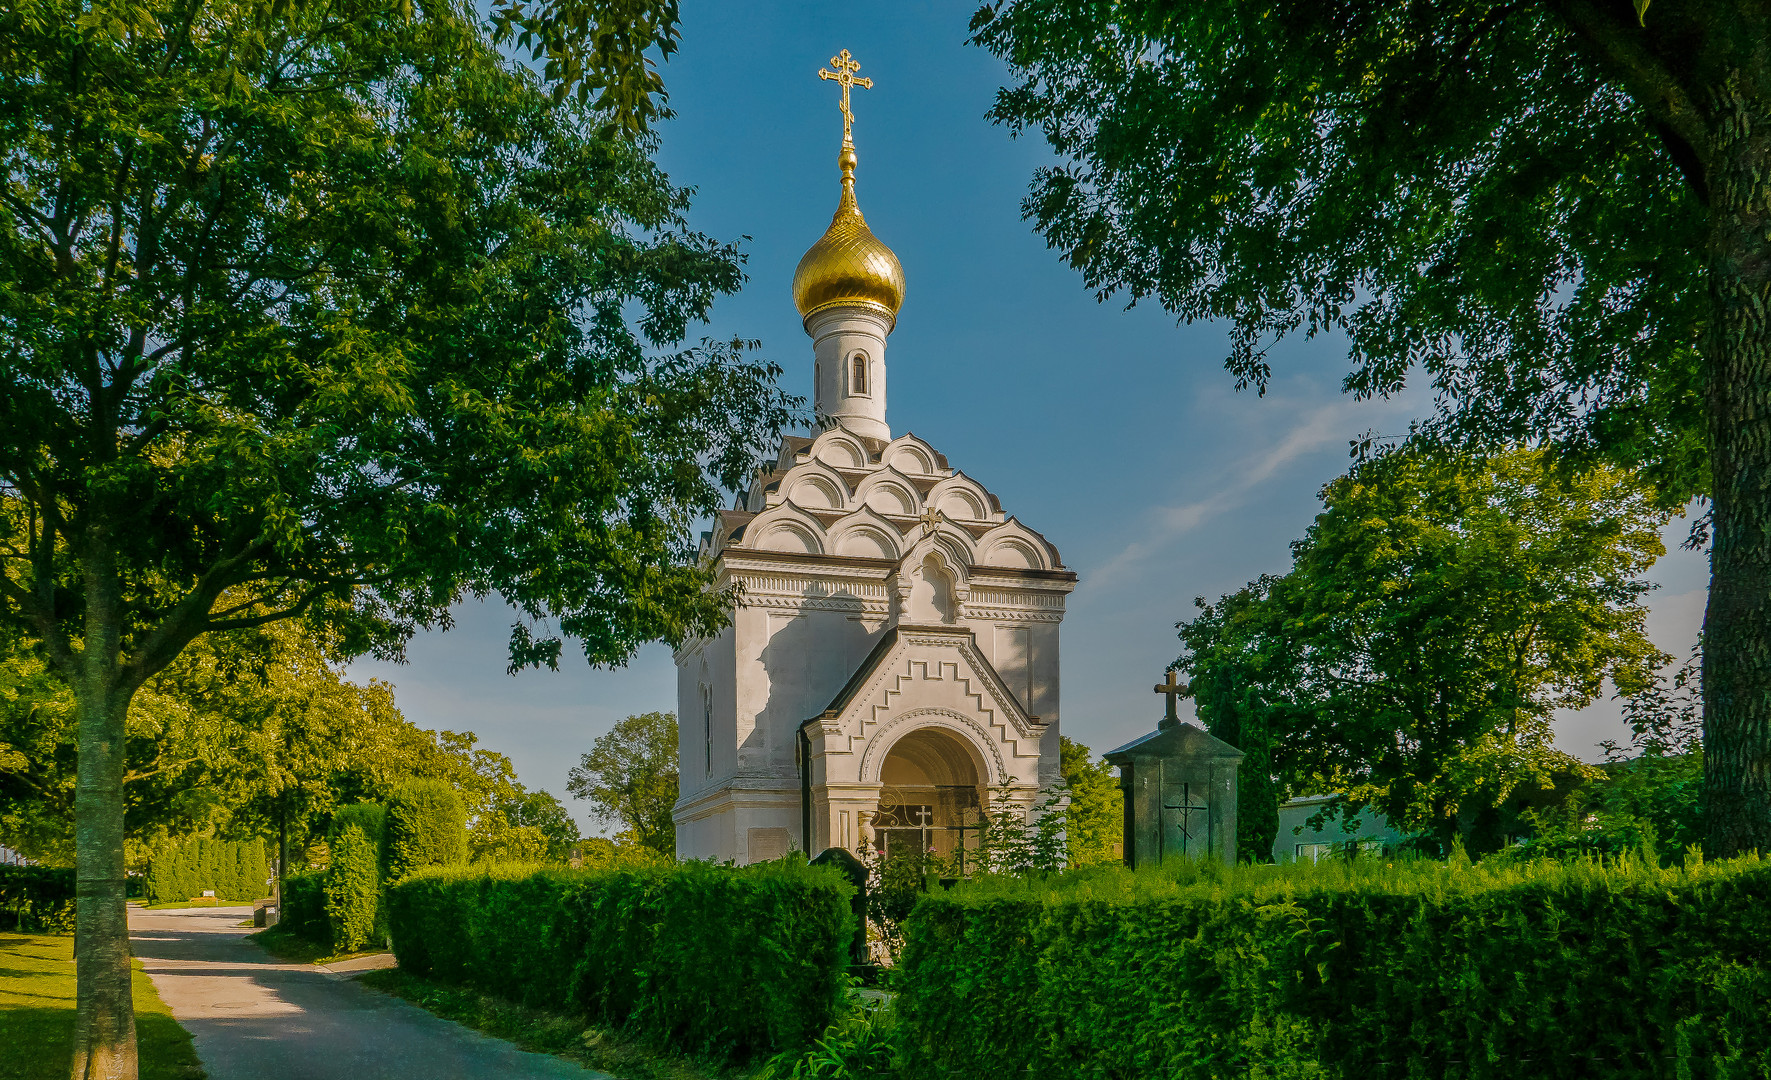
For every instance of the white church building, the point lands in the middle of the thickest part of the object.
(892, 659)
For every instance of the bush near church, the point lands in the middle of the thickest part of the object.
(426, 826)
(232, 869)
(713, 960)
(353, 876)
(1346, 969)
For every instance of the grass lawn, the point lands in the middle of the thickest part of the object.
(292, 949)
(544, 1032)
(207, 901)
(37, 1015)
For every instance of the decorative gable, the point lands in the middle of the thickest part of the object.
(923, 676)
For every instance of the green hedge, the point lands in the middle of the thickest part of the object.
(1366, 971)
(304, 907)
(711, 960)
(236, 870)
(37, 899)
(426, 826)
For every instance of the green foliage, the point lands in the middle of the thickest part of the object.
(426, 826)
(539, 810)
(370, 817)
(1360, 968)
(621, 853)
(656, 952)
(335, 314)
(304, 907)
(495, 839)
(37, 898)
(629, 778)
(1095, 818)
(860, 1046)
(1438, 612)
(234, 869)
(249, 732)
(1476, 196)
(352, 889)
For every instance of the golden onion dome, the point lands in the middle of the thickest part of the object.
(848, 265)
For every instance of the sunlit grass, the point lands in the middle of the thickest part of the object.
(37, 1015)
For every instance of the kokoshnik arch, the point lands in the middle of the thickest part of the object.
(893, 656)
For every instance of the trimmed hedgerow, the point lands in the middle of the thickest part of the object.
(710, 960)
(426, 826)
(1364, 970)
(37, 898)
(304, 907)
(235, 870)
(353, 888)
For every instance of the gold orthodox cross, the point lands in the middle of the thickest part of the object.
(844, 76)
(931, 520)
(1175, 689)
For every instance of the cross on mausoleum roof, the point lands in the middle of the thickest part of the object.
(1175, 689)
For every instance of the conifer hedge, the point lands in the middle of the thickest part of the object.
(1367, 971)
(712, 960)
(235, 870)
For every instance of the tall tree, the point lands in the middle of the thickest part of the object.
(1437, 614)
(332, 312)
(629, 778)
(1556, 211)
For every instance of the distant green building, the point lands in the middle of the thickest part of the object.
(1296, 841)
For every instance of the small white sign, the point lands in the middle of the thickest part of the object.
(208, 892)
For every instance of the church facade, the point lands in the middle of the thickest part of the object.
(892, 662)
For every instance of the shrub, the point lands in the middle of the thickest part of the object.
(426, 826)
(1349, 969)
(37, 899)
(304, 907)
(704, 959)
(353, 888)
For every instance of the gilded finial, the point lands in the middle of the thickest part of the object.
(844, 76)
(848, 266)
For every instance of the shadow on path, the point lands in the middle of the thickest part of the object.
(255, 1018)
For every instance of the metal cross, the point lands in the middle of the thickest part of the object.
(844, 76)
(931, 520)
(1174, 688)
(1187, 808)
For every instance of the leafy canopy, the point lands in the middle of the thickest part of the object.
(1460, 189)
(333, 312)
(1437, 613)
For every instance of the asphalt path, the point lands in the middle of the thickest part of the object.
(256, 1018)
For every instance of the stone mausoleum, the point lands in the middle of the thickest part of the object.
(893, 656)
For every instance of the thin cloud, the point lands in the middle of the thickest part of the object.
(1316, 429)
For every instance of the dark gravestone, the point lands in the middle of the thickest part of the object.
(856, 871)
(1179, 784)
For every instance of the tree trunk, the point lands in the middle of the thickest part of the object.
(1737, 346)
(104, 1025)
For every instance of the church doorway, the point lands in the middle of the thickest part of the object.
(929, 797)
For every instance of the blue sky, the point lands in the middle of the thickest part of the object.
(1116, 433)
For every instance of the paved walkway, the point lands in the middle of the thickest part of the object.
(255, 1018)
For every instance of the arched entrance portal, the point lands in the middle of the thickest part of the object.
(929, 796)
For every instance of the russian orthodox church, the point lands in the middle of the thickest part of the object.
(892, 661)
